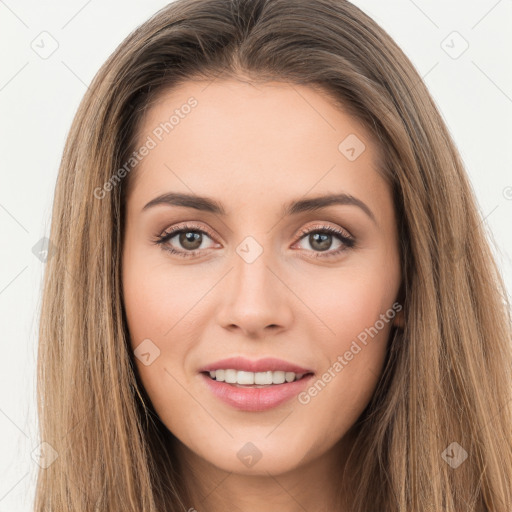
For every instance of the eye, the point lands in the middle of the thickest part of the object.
(189, 236)
(321, 239)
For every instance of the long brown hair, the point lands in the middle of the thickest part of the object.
(446, 388)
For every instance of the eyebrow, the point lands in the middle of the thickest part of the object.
(207, 204)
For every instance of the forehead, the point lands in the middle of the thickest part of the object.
(254, 140)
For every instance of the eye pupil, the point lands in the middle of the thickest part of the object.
(189, 237)
(325, 241)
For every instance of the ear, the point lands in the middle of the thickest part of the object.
(399, 320)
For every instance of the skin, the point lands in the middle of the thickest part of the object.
(254, 148)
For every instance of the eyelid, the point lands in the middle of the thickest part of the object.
(191, 226)
(323, 226)
(303, 231)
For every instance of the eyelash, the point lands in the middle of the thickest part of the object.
(348, 241)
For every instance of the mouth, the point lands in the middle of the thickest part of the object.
(244, 379)
(260, 395)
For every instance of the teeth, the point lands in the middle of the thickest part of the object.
(230, 376)
(258, 378)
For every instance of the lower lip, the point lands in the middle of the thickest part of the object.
(256, 399)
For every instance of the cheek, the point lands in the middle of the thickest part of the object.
(155, 296)
(159, 303)
(353, 343)
(348, 305)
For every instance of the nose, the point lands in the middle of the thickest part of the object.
(255, 300)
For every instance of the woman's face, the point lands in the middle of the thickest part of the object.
(257, 273)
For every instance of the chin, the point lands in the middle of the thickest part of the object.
(255, 455)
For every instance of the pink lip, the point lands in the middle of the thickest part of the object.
(256, 399)
(261, 365)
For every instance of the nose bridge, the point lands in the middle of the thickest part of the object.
(254, 298)
(252, 276)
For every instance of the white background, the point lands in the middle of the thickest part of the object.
(39, 97)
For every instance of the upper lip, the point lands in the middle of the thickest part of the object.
(261, 365)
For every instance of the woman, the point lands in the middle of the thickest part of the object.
(271, 287)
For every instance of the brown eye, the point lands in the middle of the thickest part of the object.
(320, 241)
(183, 241)
(190, 240)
